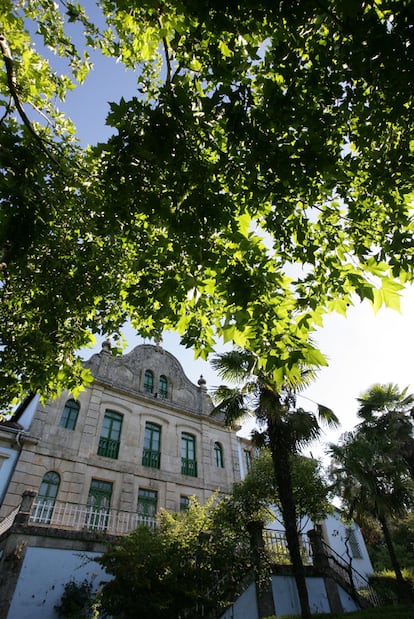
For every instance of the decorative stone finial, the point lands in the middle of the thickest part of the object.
(158, 343)
(107, 346)
(202, 382)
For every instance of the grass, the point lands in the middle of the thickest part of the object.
(385, 612)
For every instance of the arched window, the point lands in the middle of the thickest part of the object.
(218, 455)
(45, 501)
(70, 415)
(163, 387)
(149, 381)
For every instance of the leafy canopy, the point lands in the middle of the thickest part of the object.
(261, 177)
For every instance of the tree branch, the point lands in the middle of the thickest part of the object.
(12, 83)
(166, 53)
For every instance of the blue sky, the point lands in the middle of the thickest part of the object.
(363, 348)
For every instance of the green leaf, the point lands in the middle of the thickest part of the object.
(224, 49)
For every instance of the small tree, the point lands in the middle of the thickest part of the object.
(189, 561)
(77, 601)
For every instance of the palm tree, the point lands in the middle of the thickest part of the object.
(373, 482)
(390, 410)
(284, 428)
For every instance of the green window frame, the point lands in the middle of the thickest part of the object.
(147, 503)
(184, 503)
(46, 497)
(218, 455)
(163, 386)
(70, 415)
(110, 438)
(188, 455)
(248, 459)
(151, 455)
(98, 505)
(149, 381)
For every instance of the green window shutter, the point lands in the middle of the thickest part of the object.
(184, 503)
(248, 459)
(109, 441)
(46, 497)
(98, 505)
(218, 455)
(163, 387)
(149, 381)
(152, 446)
(147, 503)
(70, 415)
(188, 455)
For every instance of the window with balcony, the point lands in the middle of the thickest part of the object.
(148, 381)
(188, 455)
(218, 455)
(110, 435)
(163, 387)
(151, 455)
(70, 415)
(147, 504)
(46, 497)
(98, 505)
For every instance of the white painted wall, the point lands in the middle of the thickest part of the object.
(245, 606)
(335, 534)
(44, 573)
(8, 458)
(26, 418)
(287, 600)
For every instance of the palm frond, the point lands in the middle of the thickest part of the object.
(234, 366)
(327, 416)
(231, 403)
(303, 427)
(383, 398)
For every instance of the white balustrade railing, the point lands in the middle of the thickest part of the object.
(76, 517)
(7, 522)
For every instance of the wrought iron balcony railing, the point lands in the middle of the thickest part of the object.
(151, 458)
(189, 467)
(108, 448)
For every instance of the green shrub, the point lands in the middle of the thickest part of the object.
(385, 584)
(76, 601)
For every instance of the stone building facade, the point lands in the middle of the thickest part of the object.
(139, 438)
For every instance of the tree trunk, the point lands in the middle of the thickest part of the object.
(402, 589)
(279, 447)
